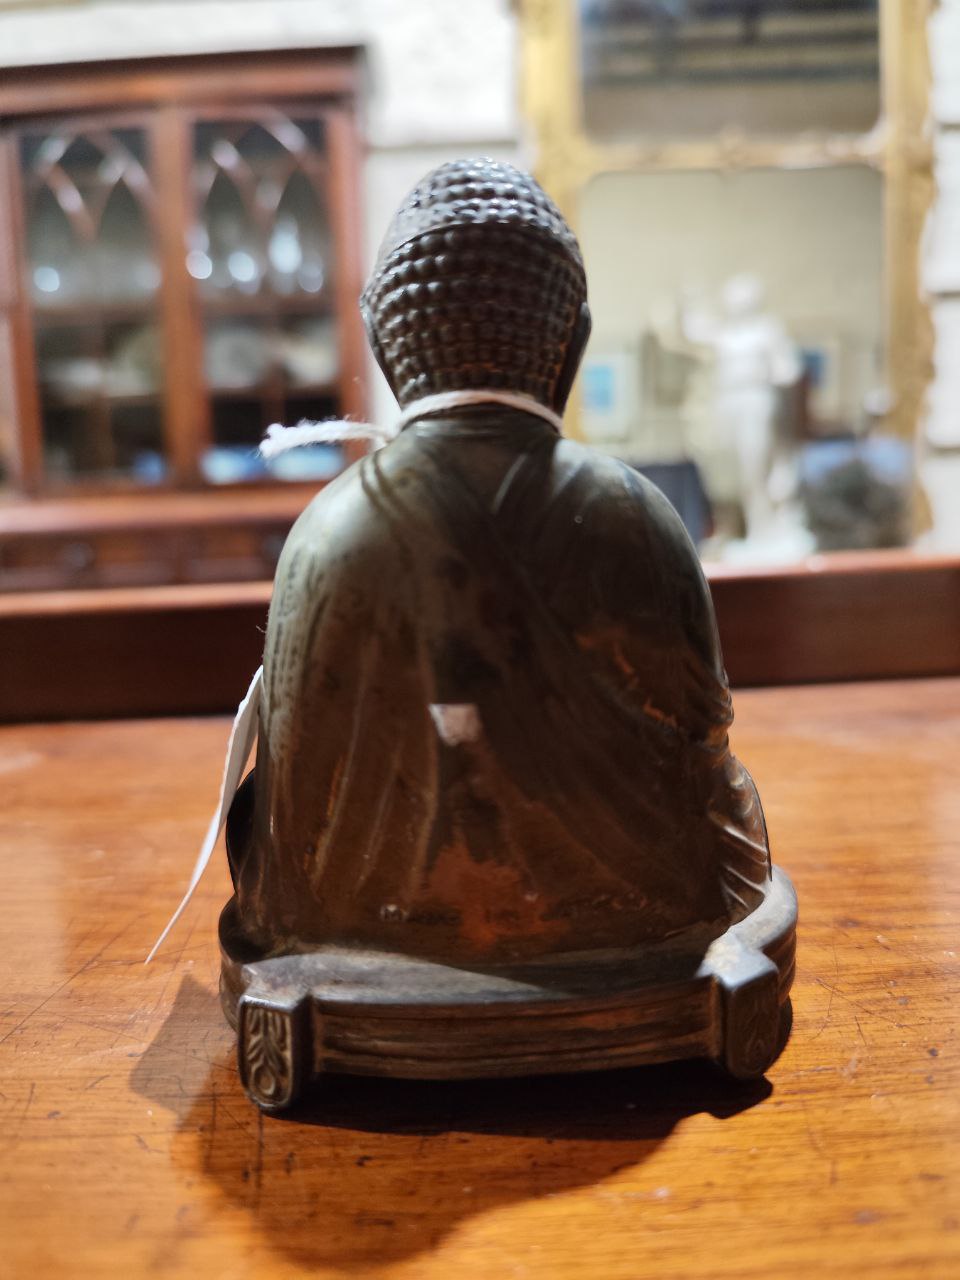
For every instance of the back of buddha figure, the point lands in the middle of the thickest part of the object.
(494, 717)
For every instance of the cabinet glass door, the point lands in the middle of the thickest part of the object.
(261, 252)
(93, 276)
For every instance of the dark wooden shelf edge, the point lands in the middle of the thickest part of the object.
(79, 513)
(192, 649)
(130, 652)
(872, 615)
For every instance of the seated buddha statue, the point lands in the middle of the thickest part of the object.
(494, 710)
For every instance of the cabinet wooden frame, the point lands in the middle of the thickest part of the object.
(166, 96)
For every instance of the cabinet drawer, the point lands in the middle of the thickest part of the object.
(41, 562)
(234, 554)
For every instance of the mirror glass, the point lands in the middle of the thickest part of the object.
(737, 355)
(689, 68)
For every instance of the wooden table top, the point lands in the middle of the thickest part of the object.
(128, 1149)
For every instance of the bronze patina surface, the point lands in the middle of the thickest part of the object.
(494, 825)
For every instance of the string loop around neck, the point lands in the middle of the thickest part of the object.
(443, 401)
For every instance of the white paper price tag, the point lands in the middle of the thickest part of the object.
(242, 737)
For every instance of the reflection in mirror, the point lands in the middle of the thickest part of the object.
(686, 68)
(737, 354)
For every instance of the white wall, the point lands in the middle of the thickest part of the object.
(442, 73)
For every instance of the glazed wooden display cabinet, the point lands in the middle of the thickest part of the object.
(179, 268)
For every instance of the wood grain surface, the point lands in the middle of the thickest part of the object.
(128, 1149)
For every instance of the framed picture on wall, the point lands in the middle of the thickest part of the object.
(610, 403)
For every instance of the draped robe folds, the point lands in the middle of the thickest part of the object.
(494, 718)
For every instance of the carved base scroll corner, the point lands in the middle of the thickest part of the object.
(274, 1053)
(750, 1016)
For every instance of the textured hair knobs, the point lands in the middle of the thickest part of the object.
(479, 284)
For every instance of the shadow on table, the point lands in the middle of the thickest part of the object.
(374, 1171)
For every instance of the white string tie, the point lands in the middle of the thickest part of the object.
(279, 438)
(242, 737)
